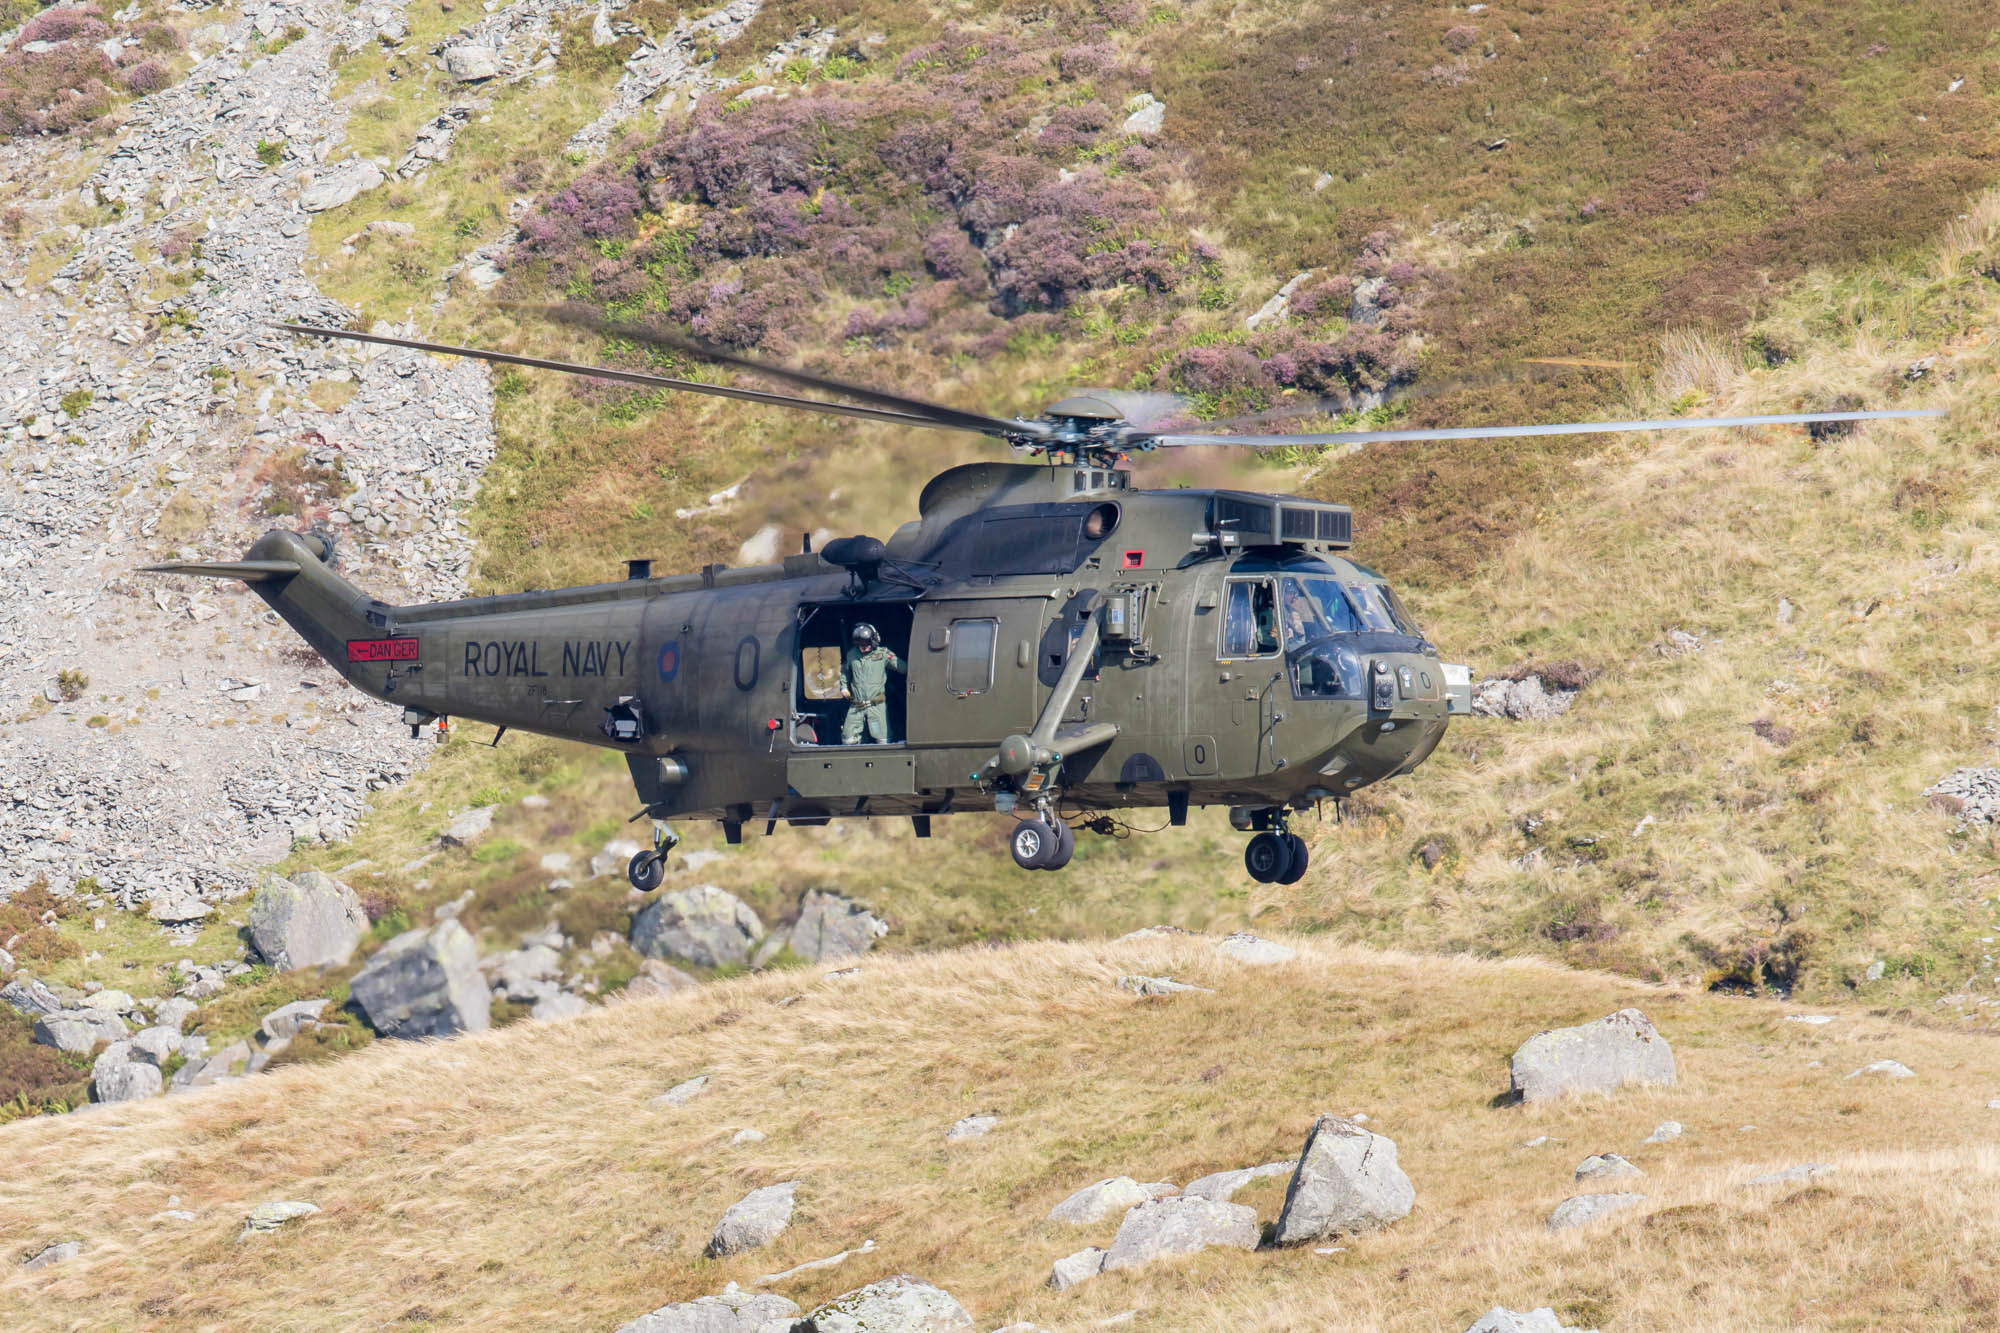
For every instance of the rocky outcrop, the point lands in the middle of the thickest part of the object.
(29, 996)
(425, 983)
(1094, 1203)
(1594, 1057)
(731, 1312)
(703, 925)
(831, 927)
(1347, 1181)
(753, 1221)
(309, 920)
(900, 1304)
(1161, 1228)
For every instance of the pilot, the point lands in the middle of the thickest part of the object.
(1266, 608)
(865, 682)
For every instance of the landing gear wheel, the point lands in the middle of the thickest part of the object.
(1267, 857)
(646, 870)
(1033, 843)
(1301, 854)
(1065, 847)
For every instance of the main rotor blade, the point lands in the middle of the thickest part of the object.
(1183, 440)
(937, 413)
(628, 377)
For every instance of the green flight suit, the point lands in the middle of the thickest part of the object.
(866, 676)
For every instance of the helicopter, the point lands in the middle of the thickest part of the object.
(1055, 644)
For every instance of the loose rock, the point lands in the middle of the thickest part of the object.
(900, 1304)
(753, 1221)
(731, 1312)
(425, 983)
(60, 1252)
(1158, 986)
(78, 1031)
(266, 1217)
(703, 925)
(1502, 1320)
(1885, 1069)
(287, 1021)
(1223, 1185)
(1164, 1227)
(1247, 948)
(1347, 1181)
(657, 978)
(1791, 1175)
(971, 1127)
(309, 920)
(1587, 1208)
(1665, 1132)
(681, 1093)
(1074, 1269)
(1593, 1057)
(1606, 1166)
(1094, 1203)
(469, 827)
(830, 927)
(31, 997)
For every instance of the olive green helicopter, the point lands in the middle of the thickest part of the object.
(1044, 639)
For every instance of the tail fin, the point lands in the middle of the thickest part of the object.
(289, 571)
(250, 571)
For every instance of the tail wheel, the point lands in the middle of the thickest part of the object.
(1065, 847)
(1267, 857)
(1300, 854)
(1032, 844)
(646, 870)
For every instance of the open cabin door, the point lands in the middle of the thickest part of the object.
(972, 670)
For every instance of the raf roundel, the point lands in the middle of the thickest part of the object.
(670, 663)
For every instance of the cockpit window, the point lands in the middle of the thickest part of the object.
(1250, 620)
(1316, 607)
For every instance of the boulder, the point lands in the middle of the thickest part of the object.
(182, 911)
(1145, 114)
(232, 1061)
(1605, 1166)
(174, 1013)
(703, 925)
(287, 1021)
(309, 920)
(1885, 1069)
(899, 1304)
(471, 64)
(1161, 1228)
(1157, 986)
(681, 1093)
(59, 1253)
(111, 1002)
(1077, 1268)
(1584, 1209)
(1665, 1132)
(1094, 1203)
(563, 1004)
(753, 1221)
(30, 997)
(353, 177)
(117, 1077)
(77, 1031)
(1347, 1181)
(1791, 1175)
(658, 978)
(6, 962)
(1247, 948)
(1528, 700)
(525, 974)
(1223, 1185)
(732, 1312)
(830, 926)
(1502, 1320)
(468, 827)
(156, 1045)
(425, 983)
(971, 1127)
(270, 1216)
(1593, 1057)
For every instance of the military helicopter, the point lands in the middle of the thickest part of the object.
(1063, 644)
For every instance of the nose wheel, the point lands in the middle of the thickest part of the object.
(1276, 857)
(1038, 844)
(648, 869)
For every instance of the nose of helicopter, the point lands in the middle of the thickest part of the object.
(1390, 719)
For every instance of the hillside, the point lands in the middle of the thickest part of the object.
(526, 1178)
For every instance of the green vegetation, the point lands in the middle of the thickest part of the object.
(270, 152)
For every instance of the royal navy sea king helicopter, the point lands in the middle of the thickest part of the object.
(1043, 640)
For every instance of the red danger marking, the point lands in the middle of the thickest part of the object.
(381, 650)
(1135, 560)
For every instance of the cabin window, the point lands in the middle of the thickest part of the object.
(968, 663)
(1250, 619)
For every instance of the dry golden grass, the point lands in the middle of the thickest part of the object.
(519, 1180)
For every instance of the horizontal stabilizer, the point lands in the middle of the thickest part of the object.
(250, 571)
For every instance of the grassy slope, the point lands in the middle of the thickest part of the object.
(494, 1180)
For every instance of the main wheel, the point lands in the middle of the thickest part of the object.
(1267, 857)
(1064, 849)
(1032, 844)
(1301, 854)
(646, 870)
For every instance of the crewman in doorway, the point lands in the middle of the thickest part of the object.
(865, 680)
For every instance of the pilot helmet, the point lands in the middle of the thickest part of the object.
(864, 636)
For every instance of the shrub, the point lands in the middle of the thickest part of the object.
(1461, 37)
(53, 92)
(148, 76)
(270, 153)
(65, 23)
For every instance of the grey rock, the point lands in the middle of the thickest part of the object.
(111, 1002)
(471, 64)
(1885, 1069)
(178, 911)
(830, 926)
(657, 978)
(681, 1093)
(117, 1077)
(1605, 1166)
(1071, 1270)
(563, 1004)
(174, 1013)
(753, 1221)
(425, 983)
(1146, 115)
(31, 997)
(1584, 1209)
(1157, 986)
(731, 1312)
(1160, 1228)
(1791, 1175)
(59, 1253)
(1874, 971)
(1502, 1320)
(341, 185)
(469, 827)
(703, 925)
(1247, 948)
(232, 1061)
(156, 1045)
(1222, 1185)
(900, 1304)
(1094, 1203)
(309, 920)
(6, 962)
(267, 1217)
(1665, 1132)
(77, 1031)
(1529, 700)
(1593, 1057)
(971, 1127)
(524, 974)
(287, 1021)
(1347, 1181)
